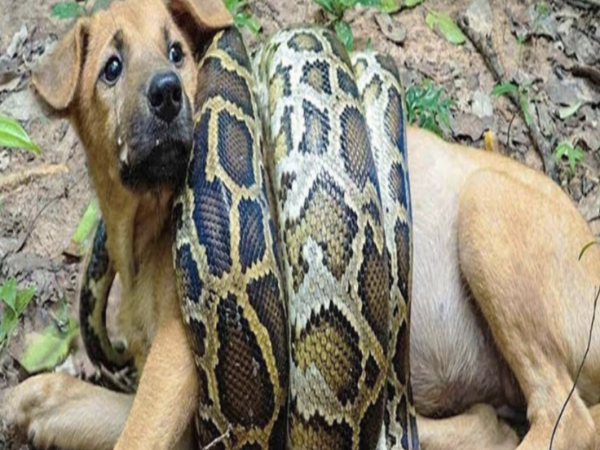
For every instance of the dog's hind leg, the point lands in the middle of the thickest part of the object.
(519, 243)
(478, 428)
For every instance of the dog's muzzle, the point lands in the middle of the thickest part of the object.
(156, 149)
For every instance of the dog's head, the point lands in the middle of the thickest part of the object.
(126, 77)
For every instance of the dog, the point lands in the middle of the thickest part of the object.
(502, 300)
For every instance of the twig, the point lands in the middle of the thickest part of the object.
(21, 243)
(484, 46)
(219, 439)
(12, 180)
(115, 379)
(588, 72)
(587, 349)
(585, 3)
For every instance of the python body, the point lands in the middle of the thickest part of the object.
(294, 285)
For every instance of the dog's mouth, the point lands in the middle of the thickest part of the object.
(155, 155)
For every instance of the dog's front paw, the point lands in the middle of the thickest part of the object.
(11, 434)
(27, 409)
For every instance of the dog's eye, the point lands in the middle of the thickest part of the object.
(176, 53)
(112, 70)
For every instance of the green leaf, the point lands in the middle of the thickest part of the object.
(426, 106)
(569, 111)
(14, 136)
(16, 301)
(247, 20)
(369, 44)
(562, 150)
(524, 102)
(24, 297)
(344, 32)
(7, 325)
(8, 293)
(573, 154)
(100, 4)
(87, 224)
(412, 3)
(68, 10)
(390, 6)
(230, 4)
(446, 26)
(542, 10)
(49, 349)
(327, 5)
(369, 3)
(505, 88)
(341, 5)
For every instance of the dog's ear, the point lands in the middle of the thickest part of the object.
(57, 76)
(199, 19)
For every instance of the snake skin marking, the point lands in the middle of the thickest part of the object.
(341, 207)
(306, 42)
(355, 145)
(316, 75)
(315, 139)
(335, 239)
(226, 221)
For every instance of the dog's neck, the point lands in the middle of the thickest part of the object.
(136, 225)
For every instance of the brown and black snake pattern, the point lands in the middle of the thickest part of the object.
(293, 258)
(93, 300)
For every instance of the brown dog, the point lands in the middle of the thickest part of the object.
(501, 303)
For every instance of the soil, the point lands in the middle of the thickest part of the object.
(40, 212)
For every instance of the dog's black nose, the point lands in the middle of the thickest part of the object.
(164, 95)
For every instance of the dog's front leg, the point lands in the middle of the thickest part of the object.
(56, 410)
(166, 399)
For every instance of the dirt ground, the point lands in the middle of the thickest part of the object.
(41, 207)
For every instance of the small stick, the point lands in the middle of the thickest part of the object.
(220, 438)
(123, 386)
(485, 47)
(588, 72)
(13, 180)
(587, 3)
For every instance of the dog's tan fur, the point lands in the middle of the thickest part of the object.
(501, 303)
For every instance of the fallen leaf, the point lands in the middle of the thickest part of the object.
(482, 104)
(87, 224)
(17, 42)
(480, 17)
(14, 136)
(22, 106)
(567, 112)
(490, 141)
(390, 28)
(469, 125)
(446, 26)
(9, 81)
(505, 88)
(49, 348)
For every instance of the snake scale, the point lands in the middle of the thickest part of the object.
(293, 249)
